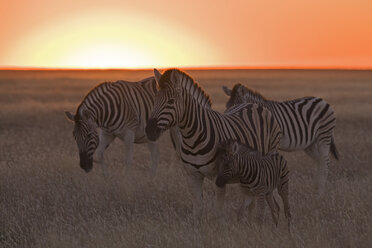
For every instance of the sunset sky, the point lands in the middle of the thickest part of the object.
(172, 33)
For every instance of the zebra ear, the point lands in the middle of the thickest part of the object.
(85, 115)
(226, 90)
(239, 89)
(157, 75)
(70, 116)
(234, 148)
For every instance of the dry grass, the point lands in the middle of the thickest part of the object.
(46, 200)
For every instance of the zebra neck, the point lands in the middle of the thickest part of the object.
(92, 111)
(96, 110)
(194, 124)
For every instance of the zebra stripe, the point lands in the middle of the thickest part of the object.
(182, 103)
(258, 175)
(118, 109)
(306, 123)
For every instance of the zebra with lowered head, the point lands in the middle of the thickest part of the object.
(306, 123)
(115, 110)
(258, 176)
(180, 102)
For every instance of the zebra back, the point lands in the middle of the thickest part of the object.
(302, 121)
(115, 105)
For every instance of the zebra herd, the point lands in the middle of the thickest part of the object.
(247, 135)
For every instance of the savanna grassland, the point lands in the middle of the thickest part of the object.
(46, 200)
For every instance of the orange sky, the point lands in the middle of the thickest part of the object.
(172, 33)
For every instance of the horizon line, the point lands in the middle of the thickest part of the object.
(35, 68)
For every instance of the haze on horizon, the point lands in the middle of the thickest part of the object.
(164, 33)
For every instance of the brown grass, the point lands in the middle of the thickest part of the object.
(46, 200)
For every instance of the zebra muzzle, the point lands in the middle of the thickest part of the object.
(221, 181)
(152, 129)
(86, 163)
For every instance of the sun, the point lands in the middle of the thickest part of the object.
(94, 40)
(108, 55)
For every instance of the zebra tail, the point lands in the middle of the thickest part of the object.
(334, 149)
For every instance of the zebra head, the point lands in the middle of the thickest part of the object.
(86, 137)
(236, 95)
(240, 94)
(166, 105)
(227, 171)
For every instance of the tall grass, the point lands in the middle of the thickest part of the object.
(46, 200)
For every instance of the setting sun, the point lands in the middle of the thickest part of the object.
(94, 40)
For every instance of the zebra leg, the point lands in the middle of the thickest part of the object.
(176, 139)
(220, 200)
(273, 207)
(260, 209)
(251, 206)
(105, 140)
(283, 192)
(154, 150)
(128, 146)
(323, 167)
(320, 153)
(247, 201)
(195, 182)
(312, 151)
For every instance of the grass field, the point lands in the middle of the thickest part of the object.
(46, 200)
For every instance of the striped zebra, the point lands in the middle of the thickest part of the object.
(306, 123)
(114, 109)
(181, 103)
(257, 175)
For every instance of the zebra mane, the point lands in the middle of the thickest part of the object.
(187, 83)
(244, 92)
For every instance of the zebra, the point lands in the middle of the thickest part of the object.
(306, 123)
(115, 110)
(257, 175)
(181, 102)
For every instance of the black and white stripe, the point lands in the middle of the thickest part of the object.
(114, 109)
(181, 103)
(306, 123)
(258, 175)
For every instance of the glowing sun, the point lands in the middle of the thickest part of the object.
(94, 40)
